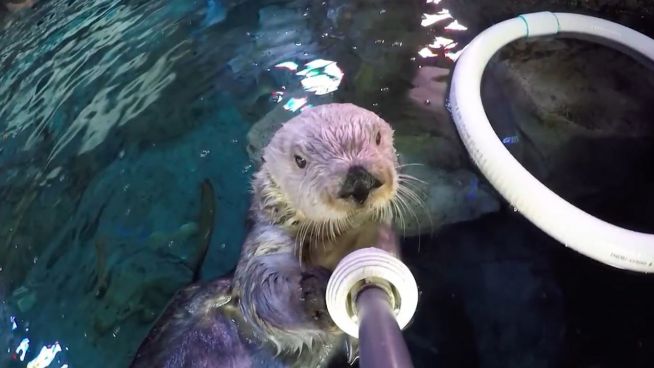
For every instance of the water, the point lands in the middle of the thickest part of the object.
(113, 114)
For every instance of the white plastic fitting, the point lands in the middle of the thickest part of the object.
(370, 265)
(588, 235)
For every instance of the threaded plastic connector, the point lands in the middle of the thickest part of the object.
(370, 266)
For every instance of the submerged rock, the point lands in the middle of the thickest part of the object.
(570, 113)
(447, 197)
(139, 231)
(16, 6)
(25, 299)
(452, 190)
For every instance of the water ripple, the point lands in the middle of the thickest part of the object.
(94, 68)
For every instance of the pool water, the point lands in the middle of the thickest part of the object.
(130, 128)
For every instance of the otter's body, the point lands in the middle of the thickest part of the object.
(328, 179)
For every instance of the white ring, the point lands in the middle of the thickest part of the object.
(369, 263)
(588, 235)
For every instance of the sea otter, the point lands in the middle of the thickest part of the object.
(328, 178)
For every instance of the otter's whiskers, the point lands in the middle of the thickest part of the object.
(406, 201)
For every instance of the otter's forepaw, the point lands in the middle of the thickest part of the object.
(313, 286)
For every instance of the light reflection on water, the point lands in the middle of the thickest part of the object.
(73, 76)
(87, 92)
(90, 49)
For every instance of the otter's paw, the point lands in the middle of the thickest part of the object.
(313, 286)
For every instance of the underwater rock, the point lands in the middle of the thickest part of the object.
(425, 135)
(424, 110)
(283, 34)
(25, 299)
(16, 6)
(262, 131)
(428, 92)
(379, 57)
(283, 31)
(570, 82)
(447, 197)
(158, 279)
(570, 112)
(137, 232)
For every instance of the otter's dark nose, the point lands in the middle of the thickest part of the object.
(358, 184)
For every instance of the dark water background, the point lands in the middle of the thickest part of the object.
(113, 113)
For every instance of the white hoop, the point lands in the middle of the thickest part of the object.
(588, 235)
(369, 263)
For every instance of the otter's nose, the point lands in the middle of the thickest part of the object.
(358, 184)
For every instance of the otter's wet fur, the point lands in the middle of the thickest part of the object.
(307, 213)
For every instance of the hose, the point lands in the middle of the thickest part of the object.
(586, 234)
(372, 296)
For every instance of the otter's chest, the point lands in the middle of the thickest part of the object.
(327, 254)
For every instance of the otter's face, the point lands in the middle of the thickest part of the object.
(334, 161)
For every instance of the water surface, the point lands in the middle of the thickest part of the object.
(114, 114)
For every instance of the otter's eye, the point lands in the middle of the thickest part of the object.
(301, 163)
(378, 138)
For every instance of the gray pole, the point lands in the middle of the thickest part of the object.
(380, 339)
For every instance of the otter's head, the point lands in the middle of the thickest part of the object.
(334, 161)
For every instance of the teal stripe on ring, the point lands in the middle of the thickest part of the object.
(558, 25)
(526, 24)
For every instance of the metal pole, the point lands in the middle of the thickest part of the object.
(380, 338)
